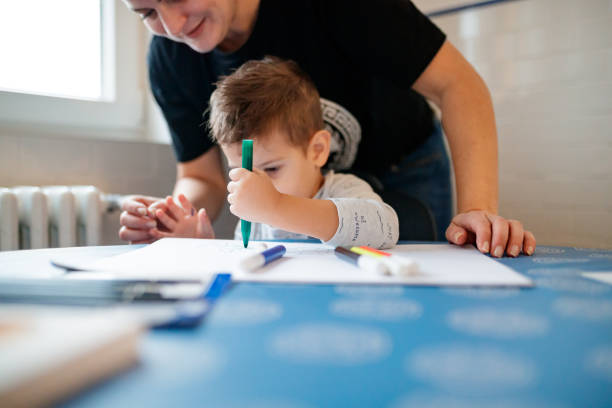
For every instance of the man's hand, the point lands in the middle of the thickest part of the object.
(182, 221)
(138, 218)
(252, 196)
(491, 233)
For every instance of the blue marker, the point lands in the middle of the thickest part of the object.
(255, 261)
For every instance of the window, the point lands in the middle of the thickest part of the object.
(53, 53)
(75, 63)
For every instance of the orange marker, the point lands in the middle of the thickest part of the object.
(376, 251)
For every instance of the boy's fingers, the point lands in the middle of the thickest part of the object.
(231, 198)
(529, 243)
(237, 173)
(205, 229)
(231, 186)
(166, 220)
(186, 204)
(515, 239)
(159, 205)
(501, 230)
(478, 224)
(174, 210)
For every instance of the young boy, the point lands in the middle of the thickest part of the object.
(287, 195)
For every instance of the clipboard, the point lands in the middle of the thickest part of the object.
(162, 303)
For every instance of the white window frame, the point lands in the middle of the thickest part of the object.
(121, 113)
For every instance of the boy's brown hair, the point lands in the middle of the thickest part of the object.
(262, 95)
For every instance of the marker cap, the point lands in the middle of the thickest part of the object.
(373, 265)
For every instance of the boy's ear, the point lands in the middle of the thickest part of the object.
(318, 147)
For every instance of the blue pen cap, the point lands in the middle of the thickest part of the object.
(274, 253)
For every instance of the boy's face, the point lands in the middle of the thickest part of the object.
(292, 170)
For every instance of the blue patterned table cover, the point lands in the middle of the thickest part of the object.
(272, 345)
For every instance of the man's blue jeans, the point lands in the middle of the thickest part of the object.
(425, 176)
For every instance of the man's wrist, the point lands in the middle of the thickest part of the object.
(491, 210)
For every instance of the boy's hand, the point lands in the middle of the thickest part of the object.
(138, 217)
(491, 233)
(252, 196)
(182, 221)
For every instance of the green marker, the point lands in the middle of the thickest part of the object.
(247, 163)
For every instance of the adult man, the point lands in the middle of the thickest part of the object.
(373, 60)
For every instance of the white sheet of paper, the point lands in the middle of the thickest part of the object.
(439, 264)
(605, 277)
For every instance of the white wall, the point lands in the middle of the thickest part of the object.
(548, 64)
(112, 166)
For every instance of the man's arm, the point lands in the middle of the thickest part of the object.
(201, 180)
(469, 124)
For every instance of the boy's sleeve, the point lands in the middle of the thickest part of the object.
(256, 232)
(363, 218)
(238, 232)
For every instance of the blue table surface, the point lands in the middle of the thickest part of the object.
(273, 345)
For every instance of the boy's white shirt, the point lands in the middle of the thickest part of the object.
(363, 217)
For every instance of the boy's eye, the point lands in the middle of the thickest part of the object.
(146, 14)
(271, 169)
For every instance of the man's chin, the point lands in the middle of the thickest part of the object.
(198, 47)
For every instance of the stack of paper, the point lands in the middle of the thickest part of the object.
(439, 264)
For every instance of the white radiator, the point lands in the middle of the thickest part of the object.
(52, 216)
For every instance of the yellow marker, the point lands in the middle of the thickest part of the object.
(376, 251)
(362, 251)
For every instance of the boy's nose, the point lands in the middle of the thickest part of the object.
(172, 19)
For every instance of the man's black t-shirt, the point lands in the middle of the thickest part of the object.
(362, 55)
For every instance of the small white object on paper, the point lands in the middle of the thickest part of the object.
(175, 258)
(605, 277)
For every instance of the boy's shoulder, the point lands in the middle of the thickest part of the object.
(344, 178)
(344, 185)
